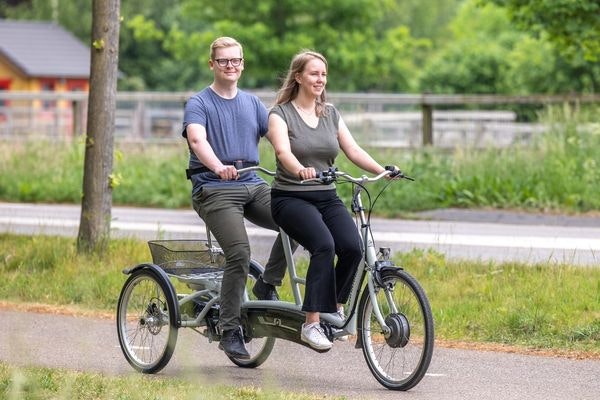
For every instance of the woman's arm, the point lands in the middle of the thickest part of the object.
(354, 152)
(278, 136)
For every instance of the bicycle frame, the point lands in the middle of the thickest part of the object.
(366, 265)
(211, 288)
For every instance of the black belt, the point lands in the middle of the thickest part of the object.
(238, 164)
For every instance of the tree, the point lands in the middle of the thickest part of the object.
(94, 225)
(486, 54)
(362, 56)
(572, 25)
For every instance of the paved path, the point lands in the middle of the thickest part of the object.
(86, 344)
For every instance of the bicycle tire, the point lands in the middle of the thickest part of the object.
(147, 332)
(259, 348)
(400, 359)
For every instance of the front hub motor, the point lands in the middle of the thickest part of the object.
(399, 334)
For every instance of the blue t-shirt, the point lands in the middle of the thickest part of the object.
(233, 129)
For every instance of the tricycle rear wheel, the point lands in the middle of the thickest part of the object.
(147, 332)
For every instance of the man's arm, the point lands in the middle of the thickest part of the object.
(196, 136)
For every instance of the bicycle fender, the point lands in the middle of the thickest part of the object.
(175, 317)
(380, 268)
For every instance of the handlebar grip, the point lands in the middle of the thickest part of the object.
(395, 172)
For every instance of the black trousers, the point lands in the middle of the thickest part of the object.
(320, 222)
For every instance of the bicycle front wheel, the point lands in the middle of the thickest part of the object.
(146, 334)
(399, 355)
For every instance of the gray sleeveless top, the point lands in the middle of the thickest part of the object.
(313, 147)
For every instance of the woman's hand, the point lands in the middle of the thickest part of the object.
(395, 172)
(306, 173)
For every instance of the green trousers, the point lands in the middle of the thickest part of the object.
(223, 210)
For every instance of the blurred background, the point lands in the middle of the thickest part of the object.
(403, 72)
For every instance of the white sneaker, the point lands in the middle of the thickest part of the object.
(342, 315)
(314, 335)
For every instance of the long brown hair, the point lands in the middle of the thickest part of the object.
(290, 87)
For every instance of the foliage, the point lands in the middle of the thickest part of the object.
(145, 59)
(274, 31)
(573, 25)
(466, 67)
(487, 55)
(440, 46)
(424, 19)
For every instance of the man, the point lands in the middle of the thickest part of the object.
(223, 125)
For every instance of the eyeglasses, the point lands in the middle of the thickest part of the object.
(235, 62)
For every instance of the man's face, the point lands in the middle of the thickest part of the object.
(227, 56)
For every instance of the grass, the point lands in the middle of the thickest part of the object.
(44, 383)
(542, 306)
(558, 172)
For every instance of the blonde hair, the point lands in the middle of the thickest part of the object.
(222, 42)
(290, 87)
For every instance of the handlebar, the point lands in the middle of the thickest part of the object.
(256, 168)
(333, 173)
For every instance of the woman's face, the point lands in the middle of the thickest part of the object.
(313, 79)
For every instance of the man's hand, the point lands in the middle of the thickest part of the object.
(227, 172)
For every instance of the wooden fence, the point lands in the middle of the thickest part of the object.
(377, 118)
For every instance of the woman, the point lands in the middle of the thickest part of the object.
(307, 134)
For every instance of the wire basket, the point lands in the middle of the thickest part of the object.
(186, 257)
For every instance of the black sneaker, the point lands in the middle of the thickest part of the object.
(264, 291)
(232, 343)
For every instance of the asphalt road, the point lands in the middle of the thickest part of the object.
(484, 235)
(85, 344)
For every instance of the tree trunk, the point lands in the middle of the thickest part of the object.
(94, 224)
